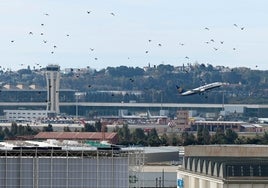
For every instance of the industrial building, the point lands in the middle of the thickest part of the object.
(62, 164)
(110, 137)
(224, 166)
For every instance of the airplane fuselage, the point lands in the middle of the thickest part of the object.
(202, 88)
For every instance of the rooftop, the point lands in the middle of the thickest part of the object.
(248, 150)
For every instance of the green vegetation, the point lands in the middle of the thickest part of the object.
(16, 131)
(155, 84)
(202, 137)
(140, 137)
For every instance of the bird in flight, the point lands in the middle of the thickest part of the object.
(112, 14)
(88, 12)
(206, 28)
(46, 14)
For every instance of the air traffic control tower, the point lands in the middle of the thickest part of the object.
(53, 86)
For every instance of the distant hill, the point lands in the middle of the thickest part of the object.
(152, 84)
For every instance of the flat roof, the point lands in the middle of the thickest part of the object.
(247, 150)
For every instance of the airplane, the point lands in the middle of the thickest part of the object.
(200, 89)
(155, 117)
(123, 116)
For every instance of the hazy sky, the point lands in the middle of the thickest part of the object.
(102, 33)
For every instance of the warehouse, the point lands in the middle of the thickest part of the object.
(65, 164)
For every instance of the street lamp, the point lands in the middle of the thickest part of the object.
(77, 96)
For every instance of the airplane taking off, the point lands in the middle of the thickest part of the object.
(200, 89)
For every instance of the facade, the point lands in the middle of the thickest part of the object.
(237, 126)
(29, 164)
(53, 87)
(25, 115)
(224, 166)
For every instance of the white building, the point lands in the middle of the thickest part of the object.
(25, 115)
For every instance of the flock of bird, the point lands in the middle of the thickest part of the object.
(216, 45)
(53, 48)
(212, 43)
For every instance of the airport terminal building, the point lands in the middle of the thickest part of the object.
(224, 166)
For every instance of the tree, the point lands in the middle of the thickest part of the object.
(230, 136)
(203, 136)
(153, 139)
(139, 137)
(173, 140)
(124, 135)
(219, 137)
(188, 139)
(66, 129)
(89, 128)
(49, 128)
(164, 139)
(14, 129)
(98, 126)
(2, 134)
(7, 133)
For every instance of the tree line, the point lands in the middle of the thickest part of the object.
(141, 137)
(201, 137)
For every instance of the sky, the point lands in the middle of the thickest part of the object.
(134, 33)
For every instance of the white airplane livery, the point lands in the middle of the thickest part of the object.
(200, 89)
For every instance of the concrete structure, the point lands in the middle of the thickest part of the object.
(160, 166)
(25, 115)
(53, 87)
(238, 126)
(67, 164)
(224, 166)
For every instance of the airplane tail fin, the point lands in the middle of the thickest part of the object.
(179, 89)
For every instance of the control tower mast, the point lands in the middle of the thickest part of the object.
(53, 86)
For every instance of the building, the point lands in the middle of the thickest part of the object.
(224, 166)
(53, 87)
(237, 126)
(25, 115)
(71, 164)
(111, 137)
